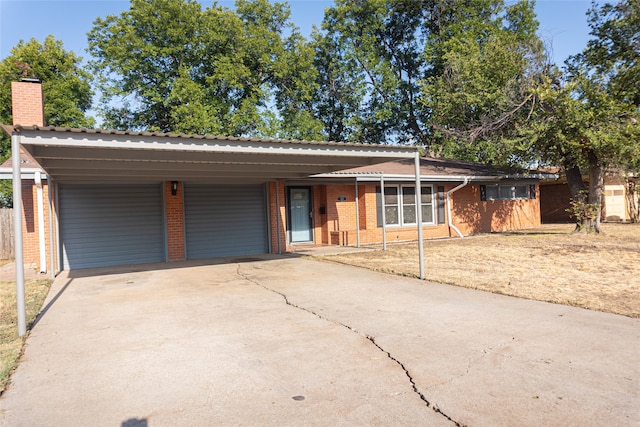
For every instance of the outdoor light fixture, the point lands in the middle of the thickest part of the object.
(174, 188)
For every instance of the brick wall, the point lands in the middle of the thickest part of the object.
(470, 215)
(277, 214)
(30, 226)
(174, 208)
(27, 103)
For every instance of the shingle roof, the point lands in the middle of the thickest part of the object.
(429, 166)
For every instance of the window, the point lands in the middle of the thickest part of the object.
(441, 206)
(506, 192)
(400, 205)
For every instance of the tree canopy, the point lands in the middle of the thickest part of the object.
(169, 65)
(430, 73)
(65, 83)
(588, 115)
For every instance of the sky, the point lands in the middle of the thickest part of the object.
(563, 23)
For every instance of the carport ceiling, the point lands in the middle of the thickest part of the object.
(73, 155)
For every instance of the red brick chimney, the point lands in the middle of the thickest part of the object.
(27, 103)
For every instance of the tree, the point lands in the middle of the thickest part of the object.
(340, 89)
(580, 126)
(588, 117)
(486, 58)
(370, 63)
(614, 52)
(65, 84)
(425, 72)
(168, 65)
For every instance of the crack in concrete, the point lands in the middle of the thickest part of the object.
(368, 337)
(473, 362)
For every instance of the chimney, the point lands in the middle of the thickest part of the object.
(27, 103)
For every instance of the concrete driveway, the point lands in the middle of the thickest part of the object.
(291, 341)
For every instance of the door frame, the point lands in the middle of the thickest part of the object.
(311, 215)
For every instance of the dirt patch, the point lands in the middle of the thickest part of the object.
(598, 272)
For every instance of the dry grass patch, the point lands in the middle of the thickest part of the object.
(598, 272)
(10, 343)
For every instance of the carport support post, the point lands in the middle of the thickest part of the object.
(419, 214)
(17, 232)
(383, 212)
(357, 217)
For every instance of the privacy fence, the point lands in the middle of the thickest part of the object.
(6, 234)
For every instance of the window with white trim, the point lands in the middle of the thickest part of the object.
(400, 205)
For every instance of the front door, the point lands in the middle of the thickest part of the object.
(300, 214)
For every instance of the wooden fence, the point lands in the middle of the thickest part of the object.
(6, 234)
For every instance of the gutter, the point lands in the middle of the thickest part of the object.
(466, 181)
(374, 176)
(25, 173)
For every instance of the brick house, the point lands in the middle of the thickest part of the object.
(458, 199)
(107, 198)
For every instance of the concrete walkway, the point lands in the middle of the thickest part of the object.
(286, 341)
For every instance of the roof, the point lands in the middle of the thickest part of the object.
(433, 169)
(75, 154)
(26, 161)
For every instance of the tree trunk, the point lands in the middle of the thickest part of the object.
(576, 187)
(574, 180)
(596, 190)
(632, 189)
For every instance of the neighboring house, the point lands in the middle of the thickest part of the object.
(555, 197)
(109, 198)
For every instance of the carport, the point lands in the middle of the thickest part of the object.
(121, 160)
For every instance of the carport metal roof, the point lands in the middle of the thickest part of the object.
(85, 155)
(73, 155)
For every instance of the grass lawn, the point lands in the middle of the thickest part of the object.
(598, 272)
(10, 343)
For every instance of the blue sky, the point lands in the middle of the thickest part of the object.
(563, 24)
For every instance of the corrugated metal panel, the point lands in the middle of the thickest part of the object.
(224, 220)
(111, 224)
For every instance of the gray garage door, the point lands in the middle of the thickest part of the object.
(113, 224)
(224, 220)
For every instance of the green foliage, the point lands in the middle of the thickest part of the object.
(65, 84)
(168, 65)
(587, 117)
(449, 76)
(614, 50)
(487, 64)
(583, 211)
(370, 64)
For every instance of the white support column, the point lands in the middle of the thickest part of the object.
(357, 216)
(278, 216)
(52, 259)
(17, 232)
(59, 248)
(42, 244)
(419, 215)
